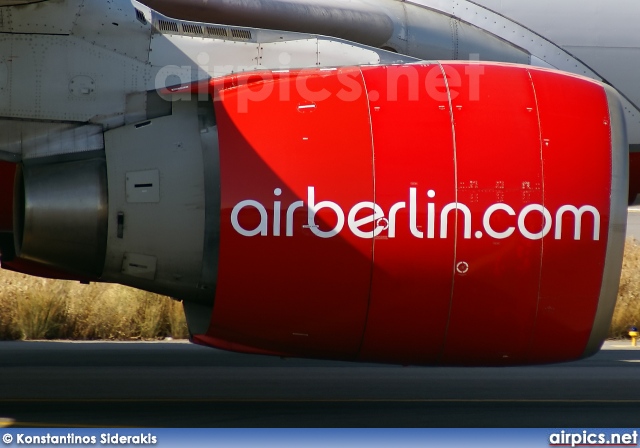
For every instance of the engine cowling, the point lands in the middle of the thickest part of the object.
(431, 214)
(421, 214)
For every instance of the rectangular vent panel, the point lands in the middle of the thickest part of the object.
(192, 29)
(166, 25)
(141, 17)
(217, 31)
(240, 34)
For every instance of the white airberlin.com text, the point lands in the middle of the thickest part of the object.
(377, 221)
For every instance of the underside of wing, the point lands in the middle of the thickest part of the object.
(18, 2)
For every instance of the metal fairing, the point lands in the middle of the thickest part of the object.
(390, 225)
(74, 73)
(461, 30)
(355, 21)
(543, 52)
(86, 67)
(60, 215)
(157, 188)
(617, 225)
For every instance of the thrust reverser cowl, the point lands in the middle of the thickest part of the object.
(387, 214)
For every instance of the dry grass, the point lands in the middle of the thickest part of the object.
(35, 308)
(627, 311)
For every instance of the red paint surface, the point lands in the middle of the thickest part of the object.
(520, 134)
(39, 270)
(499, 160)
(411, 282)
(7, 175)
(300, 294)
(574, 119)
(634, 177)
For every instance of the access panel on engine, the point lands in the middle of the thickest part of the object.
(294, 159)
(415, 178)
(500, 190)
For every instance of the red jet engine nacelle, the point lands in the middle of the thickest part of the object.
(430, 214)
(452, 214)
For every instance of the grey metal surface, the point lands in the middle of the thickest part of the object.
(633, 223)
(116, 29)
(39, 17)
(187, 58)
(216, 49)
(60, 216)
(212, 197)
(434, 35)
(198, 316)
(181, 385)
(602, 35)
(354, 20)
(171, 230)
(68, 63)
(546, 49)
(33, 139)
(78, 77)
(590, 38)
(92, 62)
(40, 84)
(18, 2)
(593, 34)
(617, 224)
(540, 49)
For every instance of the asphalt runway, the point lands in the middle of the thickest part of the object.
(51, 384)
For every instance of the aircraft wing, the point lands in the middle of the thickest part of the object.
(18, 2)
(435, 29)
(586, 38)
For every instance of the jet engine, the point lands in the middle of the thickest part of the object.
(433, 214)
(308, 196)
(419, 214)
